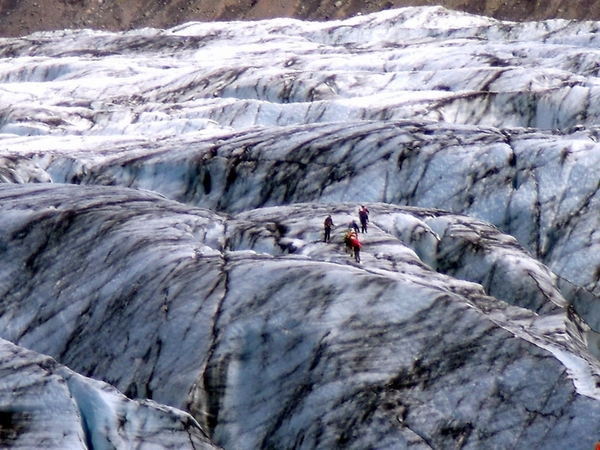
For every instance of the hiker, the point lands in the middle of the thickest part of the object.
(328, 224)
(353, 226)
(348, 242)
(355, 244)
(363, 215)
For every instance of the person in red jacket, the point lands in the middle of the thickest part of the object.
(355, 244)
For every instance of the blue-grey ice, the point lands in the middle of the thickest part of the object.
(163, 277)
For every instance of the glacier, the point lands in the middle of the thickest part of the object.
(164, 280)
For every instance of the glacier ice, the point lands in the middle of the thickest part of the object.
(163, 280)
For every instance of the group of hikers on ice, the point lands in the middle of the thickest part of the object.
(351, 240)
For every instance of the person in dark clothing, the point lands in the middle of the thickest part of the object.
(328, 224)
(363, 215)
(353, 226)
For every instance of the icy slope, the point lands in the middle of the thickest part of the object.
(162, 223)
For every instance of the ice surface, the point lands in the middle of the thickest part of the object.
(163, 277)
